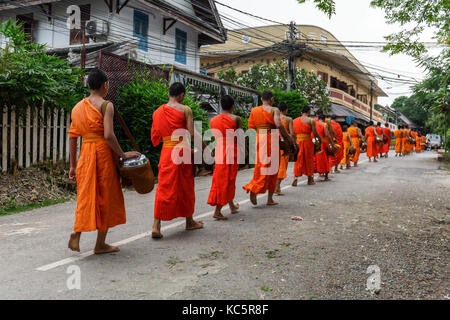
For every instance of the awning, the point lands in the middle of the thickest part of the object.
(342, 111)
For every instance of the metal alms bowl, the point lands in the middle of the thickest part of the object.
(140, 161)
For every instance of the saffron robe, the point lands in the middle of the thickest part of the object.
(371, 145)
(261, 119)
(404, 141)
(100, 203)
(175, 193)
(379, 146)
(387, 145)
(356, 143)
(305, 159)
(321, 163)
(398, 135)
(334, 161)
(284, 159)
(226, 168)
(346, 140)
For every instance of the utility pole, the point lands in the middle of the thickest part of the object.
(371, 99)
(291, 63)
(83, 49)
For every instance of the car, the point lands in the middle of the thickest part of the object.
(435, 140)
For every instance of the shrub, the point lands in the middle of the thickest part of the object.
(294, 100)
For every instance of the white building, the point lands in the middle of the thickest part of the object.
(153, 31)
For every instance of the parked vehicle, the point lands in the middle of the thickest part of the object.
(435, 140)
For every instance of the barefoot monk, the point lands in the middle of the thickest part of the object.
(321, 163)
(175, 194)
(264, 119)
(100, 203)
(226, 158)
(357, 139)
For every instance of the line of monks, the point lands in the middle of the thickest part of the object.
(407, 140)
(317, 145)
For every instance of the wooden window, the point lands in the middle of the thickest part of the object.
(323, 76)
(140, 29)
(28, 25)
(76, 35)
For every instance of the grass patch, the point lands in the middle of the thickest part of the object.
(266, 288)
(12, 208)
(272, 254)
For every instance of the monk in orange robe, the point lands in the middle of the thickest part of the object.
(379, 132)
(305, 128)
(398, 135)
(264, 119)
(370, 135)
(357, 138)
(223, 186)
(404, 140)
(416, 137)
(284, 158)
(100, 203)
(423, 142)
(175, 193)
(348, 142)
(336, 128)
(387, 145)
(321, 163)
(407, 136)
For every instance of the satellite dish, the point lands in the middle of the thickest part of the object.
(91, 27)
(246, 38)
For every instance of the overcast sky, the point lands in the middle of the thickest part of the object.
(355, 20)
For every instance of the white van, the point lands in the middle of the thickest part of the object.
(435, 140)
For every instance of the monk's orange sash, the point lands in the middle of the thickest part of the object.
(169, 143)
(93, 137)
(303, 137)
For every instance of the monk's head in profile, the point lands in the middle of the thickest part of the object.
(370, 124)
(98, 82)
(177, 91)
(344, 127)
(306, 110)
(386, 125)
(354, 124)
(378, 124)
(283, 108)
(267, 97)
(227, 103)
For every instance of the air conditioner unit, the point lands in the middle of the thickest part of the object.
(95, 28)
(132, 54)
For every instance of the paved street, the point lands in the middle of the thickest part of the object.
(393, 214)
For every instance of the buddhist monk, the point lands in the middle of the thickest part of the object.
(417, 139)
(423, 142)
(379, 132)
(357, 139)
(227, 163)
(398, 135)
(284, 158)
(305, 129)
(348, 142)
(100, 203)
(371, 135)
(387, 144)
(175, 193)
(404, 140)
(321, 162)
(264, 119)
(407, 136)
(336, 128)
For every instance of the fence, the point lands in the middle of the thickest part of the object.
(40, 135)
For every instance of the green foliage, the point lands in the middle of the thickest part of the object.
(229, 75)
(294, 99)
(31, 77)
(326, 6)
(137, 102)
(412, 108)
(274, 77)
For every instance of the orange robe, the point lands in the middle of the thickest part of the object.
(371, 145)
(334, 161)
(284, 160)
(305, 159)
(175, 193)
(408, 146)
(398, 135)
(416, 137)
(423, 143)
(261, 119)
(404, 141)
(100, 203)
(379, 146)
(346, 140)
(227, 163)
(321, 163)
(387, 145)
(356, 143)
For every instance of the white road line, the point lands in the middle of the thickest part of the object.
(145, 234)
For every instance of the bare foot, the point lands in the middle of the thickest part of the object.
(193, 225)
(337, 171)
(272, 203)
(234, 208)
(279, 193)
(74, 241)
(294, 183)
(219, 216)
(253, 198)
(106, 248)
(375, 160)
(157, 235)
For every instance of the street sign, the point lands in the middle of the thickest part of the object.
(349, 119)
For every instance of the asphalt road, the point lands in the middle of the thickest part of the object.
(392, 214)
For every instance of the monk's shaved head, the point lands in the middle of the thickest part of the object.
(176, 89)
(96, 79)
(227, 102)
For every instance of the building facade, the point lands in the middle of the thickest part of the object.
(353, 90)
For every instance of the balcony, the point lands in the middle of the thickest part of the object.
(340, 97)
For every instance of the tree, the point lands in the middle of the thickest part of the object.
(420, 13)
(412, 108)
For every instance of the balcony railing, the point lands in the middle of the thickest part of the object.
(343, 98)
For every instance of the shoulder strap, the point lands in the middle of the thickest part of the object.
(122, 123)
(186, 113)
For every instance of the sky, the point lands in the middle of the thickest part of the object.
(354, 20)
